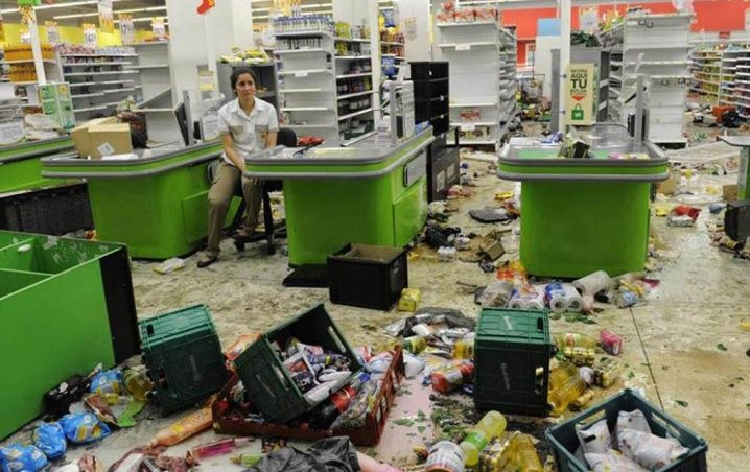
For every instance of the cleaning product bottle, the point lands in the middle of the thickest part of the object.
(488, 428)
(199, 420)
(524, 453)
(138, 384)
(558, 376)
(573, 388)
(247, 459)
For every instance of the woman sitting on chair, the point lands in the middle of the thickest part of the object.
(246, 124)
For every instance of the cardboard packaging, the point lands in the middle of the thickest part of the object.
(109, 140)
(80, 135)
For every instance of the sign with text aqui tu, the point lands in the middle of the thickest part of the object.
(580, 94)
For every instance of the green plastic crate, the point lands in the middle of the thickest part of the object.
(183, 357)
(565, 442)
(261, 370)
(511, 345)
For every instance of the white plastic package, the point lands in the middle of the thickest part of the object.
(612, 461)
(630, 420)
(596, 438)
(649, 450)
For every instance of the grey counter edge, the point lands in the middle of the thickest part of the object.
(56, 161)
(624, 178)
(372, 174)
(342, 160)
(30, 155)
(127, 174)
(569, 162)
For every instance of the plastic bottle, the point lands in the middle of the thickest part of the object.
(199, 420)
(445, 457)
(558, 376)
(247, 459)
(524, 453)
(327, 412)
(138, 384)
(563, 396)
(488, 428)
(219, 447)
(574, 340)
(464, 348)
(415, 344)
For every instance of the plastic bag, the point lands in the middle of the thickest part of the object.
(335, 454)
(496, 294)
(22, 458)
(649, 450)
(413, 365)
(630, 420)
(612, 461)
(50, 438)
(110, 381)
(84, 428)
(595, 439)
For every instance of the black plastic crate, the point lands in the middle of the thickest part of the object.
(183, 357)
(367, 276)
(261, 370)
(51, 210)
(510, 347)
(565, 442)
(737, 220)
(443, 171)
(428, 70)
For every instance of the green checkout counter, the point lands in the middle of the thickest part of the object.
(373, 192)
(582, 215)
(155, 202)
(20, 164)
(65, 305)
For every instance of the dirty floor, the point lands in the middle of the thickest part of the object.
(685, 347)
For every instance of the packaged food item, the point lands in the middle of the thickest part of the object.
(110, 381)
(84, 428)
(595, 438)
(445, 456)
(611, 342)
(196, 422)
(50, 439)
(17, 457)
(410, 298)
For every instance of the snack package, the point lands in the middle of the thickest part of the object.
(649, 450)
(22, 458)
(110, 381)
(50, 439)
(84, 428)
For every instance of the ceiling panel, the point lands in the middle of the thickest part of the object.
(60, 10)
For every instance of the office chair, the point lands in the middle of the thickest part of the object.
(287, 138)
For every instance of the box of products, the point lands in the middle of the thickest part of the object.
(110, 140)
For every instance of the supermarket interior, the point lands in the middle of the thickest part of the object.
(376, 235)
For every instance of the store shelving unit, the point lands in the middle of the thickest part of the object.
(508, 82)
(323, 93)
(727, 77)
(706, 65)
(655, 46)
(391, 50)
(98, 81)
(740, 97)
(473, 50)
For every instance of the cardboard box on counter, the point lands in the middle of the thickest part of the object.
(730, 192)
(80, 135)
(110, 140)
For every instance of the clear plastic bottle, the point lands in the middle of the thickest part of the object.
(464, 348)
(565, 395)
(524, 454)
(445, 457)
(138, 384)
(558, 376)
(488, 428)
(574, 340)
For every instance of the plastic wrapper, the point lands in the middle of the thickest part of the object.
(413, 365)
(101, 409)
(110, 381)
(649, 450)
(355, 415)
(587, 374)
(380, 362)
(84, 428)
(17, 457)
(50, 439)
(527, 297)
(331, 454)
(596, 438)
(611, 461)
(497, 294)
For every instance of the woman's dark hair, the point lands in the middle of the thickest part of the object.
(237, 72)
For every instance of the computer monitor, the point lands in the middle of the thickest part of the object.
(180, 113)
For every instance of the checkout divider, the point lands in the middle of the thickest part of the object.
(156, 203)
(373, 192)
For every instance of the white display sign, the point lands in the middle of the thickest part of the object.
(89, 35)
(588, 19)
(210, 126)
(127, 29)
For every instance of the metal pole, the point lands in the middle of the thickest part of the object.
(638, 132)
(564, 53)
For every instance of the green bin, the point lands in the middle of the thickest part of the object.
(583, 215)
(65, 306)
(157, 205)
(373, 193)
